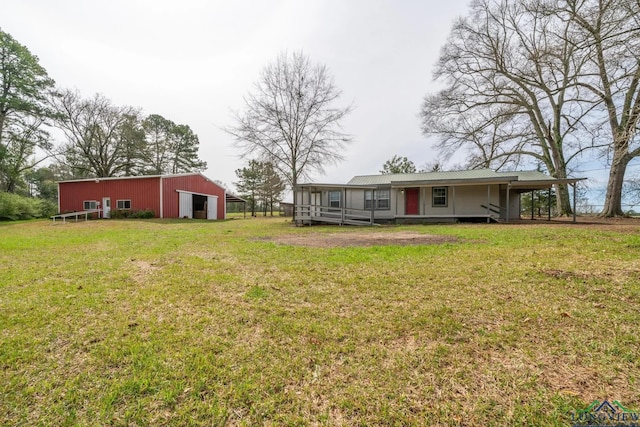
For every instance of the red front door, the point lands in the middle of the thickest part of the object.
(412, 201)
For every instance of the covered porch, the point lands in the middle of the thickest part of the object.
(331, 204)
(420, 201)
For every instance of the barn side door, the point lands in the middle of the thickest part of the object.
(186, 205)
(106, 207)
(212, 207)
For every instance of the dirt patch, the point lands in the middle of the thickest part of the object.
(142, 270)
(365, 238)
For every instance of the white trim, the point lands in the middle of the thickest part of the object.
(197, 194)
(58, 197)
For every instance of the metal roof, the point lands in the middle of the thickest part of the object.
(521, 178)
(465, 177)
(388, 179)
(115, 178)
(530, 176)
(232, 198)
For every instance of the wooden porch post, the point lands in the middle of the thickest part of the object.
(488, 202)
(453, 199)
(532, 203)
(373, 194)
(508, 189)
(549, 205)
(344, 206)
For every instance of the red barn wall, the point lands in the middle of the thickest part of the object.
(192, 183)
(144, 193)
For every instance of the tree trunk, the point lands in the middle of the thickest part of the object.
(11, 185)
(563, 200)
(613, 199)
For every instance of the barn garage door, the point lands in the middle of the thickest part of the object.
(195, 205)
(212, 207)
(186, 205)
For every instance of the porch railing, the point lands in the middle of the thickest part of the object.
(314, 213)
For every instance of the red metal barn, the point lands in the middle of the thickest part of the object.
(168, 196)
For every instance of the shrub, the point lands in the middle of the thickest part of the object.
(47, 208)
(14, 207)
(144, 214)
(120, 214)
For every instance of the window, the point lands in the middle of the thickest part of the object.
(367, 199)
(90, 204)
(123, 204)
(334, 199)
(439, 196)
(381, 199)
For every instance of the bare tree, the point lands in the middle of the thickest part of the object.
(610, 30)
(98, 134)
(290, 119)
(510, 71)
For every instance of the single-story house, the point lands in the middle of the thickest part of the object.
(189, 195)
(421, 197)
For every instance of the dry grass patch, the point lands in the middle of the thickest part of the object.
(360, 238)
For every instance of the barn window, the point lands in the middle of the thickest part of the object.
(90, 204)
(123, 204)
(439, 196)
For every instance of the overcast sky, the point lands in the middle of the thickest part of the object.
(193, 61)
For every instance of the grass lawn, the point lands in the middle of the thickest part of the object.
(152, 322)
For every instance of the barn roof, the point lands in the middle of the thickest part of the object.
(115, 178)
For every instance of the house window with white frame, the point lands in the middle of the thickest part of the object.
(380, 199)
(90, 204)
(123, 204)
(334, 199)
(439, 196)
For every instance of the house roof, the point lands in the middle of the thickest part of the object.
(387, 179)
(515, 178)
